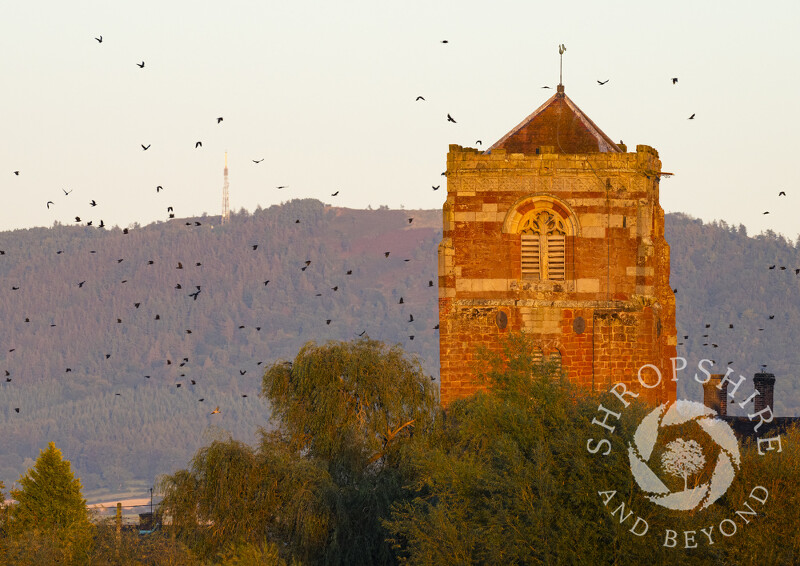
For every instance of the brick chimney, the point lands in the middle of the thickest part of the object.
(714, 398)
(764, 383)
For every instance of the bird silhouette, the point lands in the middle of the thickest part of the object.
(400, 302)
(362, 334)
(92, 203)
(450, 119)
(782, 194)
(281, 186)
(478, 142)
(335, 194)
(219, 119)
(411, 318)
(140, 65)
(435, 188)
(16, 173)
(691, 117)
(66, 192)
(386, 254)
(215, 411)
(674, 80)
(410, 220)
(255, 247)
(198, 144)
(603, 82)
(81, 284)
(145, 147)
(242, 371)
(195, 294)
(158, 188)
(445, 41)
(430, 283)
(767, 212)
(49, 202)
(258, 160)
(77, 219)
(420, 98)
(546, 86)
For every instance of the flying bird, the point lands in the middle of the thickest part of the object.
(435, 188)
(450, 119)
(255, 247)
(445, 41)
(219, 119)
(335, 194)
(386, 254)
(691, 117)
(49, 202)
(215, 411)
(674, 80)
(81, 284)
(16, 173)
(782, 194)
(281, 186)
(767, 212)
(158, 188)
(198, 144)
(258, 160)
(420, 98)
(66, 192)
(145, 148)
(140, 65)
(546, 86)
(99, 39)
(603, 82)
(478, 142)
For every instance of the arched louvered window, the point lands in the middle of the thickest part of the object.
(543, 239)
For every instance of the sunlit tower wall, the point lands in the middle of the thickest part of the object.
(226, 209)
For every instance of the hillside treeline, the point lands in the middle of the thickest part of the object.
(82, 330)
(109, 351)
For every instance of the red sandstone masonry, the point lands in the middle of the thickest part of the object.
(617, 266)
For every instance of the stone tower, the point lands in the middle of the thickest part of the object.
(556, 231)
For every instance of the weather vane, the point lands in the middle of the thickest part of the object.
(561, 49)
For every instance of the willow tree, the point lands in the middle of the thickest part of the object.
(319, 484)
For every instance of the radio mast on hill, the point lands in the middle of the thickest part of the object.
(226, 211)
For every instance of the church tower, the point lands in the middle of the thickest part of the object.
(556, 231)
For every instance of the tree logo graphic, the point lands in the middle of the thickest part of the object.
(683, 458)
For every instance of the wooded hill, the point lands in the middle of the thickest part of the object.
(89, 313)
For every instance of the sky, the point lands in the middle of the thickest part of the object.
(325, 93)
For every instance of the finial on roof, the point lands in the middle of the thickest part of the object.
(561, 49)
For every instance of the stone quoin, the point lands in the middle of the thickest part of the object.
(556, 231)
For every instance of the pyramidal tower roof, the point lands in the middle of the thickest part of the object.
(559, 124)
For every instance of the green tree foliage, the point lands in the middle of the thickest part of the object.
(131, 549)
(50, 520)
(506, 478)
(318, 485)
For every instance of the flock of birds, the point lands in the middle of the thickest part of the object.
(195, 295)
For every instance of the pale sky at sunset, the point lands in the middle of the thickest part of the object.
(325, 93)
